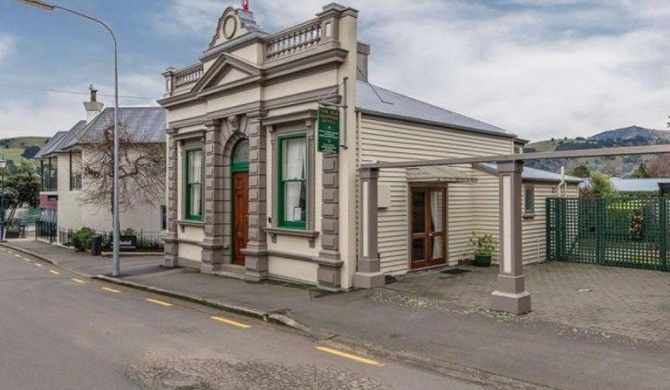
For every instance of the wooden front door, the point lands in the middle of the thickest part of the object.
(240, 215)
(428, 235)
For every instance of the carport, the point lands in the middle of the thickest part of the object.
(510, 293)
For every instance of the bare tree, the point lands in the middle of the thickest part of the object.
(141, 169)
(659, 166)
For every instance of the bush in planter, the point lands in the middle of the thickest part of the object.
(81, 240)
(485, 245)
(13, 231)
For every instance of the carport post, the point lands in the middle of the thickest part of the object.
(368, 270)
(510, 294)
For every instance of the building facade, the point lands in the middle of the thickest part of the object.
(253, 193)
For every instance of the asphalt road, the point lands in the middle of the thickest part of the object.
(59, 331)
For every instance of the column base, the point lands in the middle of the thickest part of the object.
(518, 303)
(256, 265)
(369, 280)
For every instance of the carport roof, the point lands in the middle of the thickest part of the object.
(438, 173)
(532, 174)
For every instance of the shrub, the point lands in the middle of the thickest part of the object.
(81, 240)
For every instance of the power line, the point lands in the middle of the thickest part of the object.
(68, 92)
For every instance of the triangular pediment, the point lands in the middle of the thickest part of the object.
(225, 70)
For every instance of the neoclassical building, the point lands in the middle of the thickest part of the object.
(264, 180)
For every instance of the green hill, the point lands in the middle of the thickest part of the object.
(21, 148)
(620, 166)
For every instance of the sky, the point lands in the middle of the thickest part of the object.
(538, 68)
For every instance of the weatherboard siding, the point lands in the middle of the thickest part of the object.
(392, 140)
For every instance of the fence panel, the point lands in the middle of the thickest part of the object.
(617, 232)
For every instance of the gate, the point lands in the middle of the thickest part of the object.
(46, 230)
(617, 232)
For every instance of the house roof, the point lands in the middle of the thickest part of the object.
(57, 141)
(632, 185)
(140, 124)
(532, 174)
(382, 102)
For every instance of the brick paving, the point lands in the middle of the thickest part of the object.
(624, 301)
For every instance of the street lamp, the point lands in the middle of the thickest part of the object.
(50, 7)
(3, 165)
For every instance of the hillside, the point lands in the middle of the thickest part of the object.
(19, 148)
(618, 166)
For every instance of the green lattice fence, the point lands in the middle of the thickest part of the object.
(618, 232)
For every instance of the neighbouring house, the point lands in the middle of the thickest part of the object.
(659, 186)
(76, 171)
(266, 135)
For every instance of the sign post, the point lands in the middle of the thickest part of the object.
(329, 130)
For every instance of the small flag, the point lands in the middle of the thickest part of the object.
(245, 5)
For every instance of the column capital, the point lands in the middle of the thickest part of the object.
(212, 124)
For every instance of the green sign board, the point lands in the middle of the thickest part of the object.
(329, 130)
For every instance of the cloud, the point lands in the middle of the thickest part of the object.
(538, 68)
(7, 45)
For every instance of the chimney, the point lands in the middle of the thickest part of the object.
(363, 52)
(93, 107)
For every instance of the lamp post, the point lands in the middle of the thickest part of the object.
(51, 7)
(3, 165)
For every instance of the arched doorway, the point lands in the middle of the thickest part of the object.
(240, 176)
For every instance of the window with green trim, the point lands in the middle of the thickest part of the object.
(241, 156)
(292, 167)
(194, 170)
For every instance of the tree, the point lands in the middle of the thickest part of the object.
(141, 170)
(640, 172)
(21, 188)
(580, 171)
(659, 166)
(599, 186)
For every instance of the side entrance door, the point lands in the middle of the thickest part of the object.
(428, 236)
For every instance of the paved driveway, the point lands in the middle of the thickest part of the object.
(629, 302)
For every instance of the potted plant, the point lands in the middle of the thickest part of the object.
(485, 245)
(13, 231)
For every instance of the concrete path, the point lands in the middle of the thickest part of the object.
(418, 325)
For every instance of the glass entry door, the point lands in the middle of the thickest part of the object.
(428, 230)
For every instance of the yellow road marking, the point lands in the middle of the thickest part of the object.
(17, 255)
(54, 272)
(27, 260)
(111, 290)
(156, 301)
(39, 265)
(231, 322)
(349, 356)
(78, 280)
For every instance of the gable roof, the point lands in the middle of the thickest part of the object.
(140, 124)
(55, 143)
(532, 174)
(382, 102)
(632, 185)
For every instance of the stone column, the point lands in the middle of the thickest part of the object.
(212, 245)
(510, 294)
(329, 272)
(255, 255)
(368, 274)
(172, 206)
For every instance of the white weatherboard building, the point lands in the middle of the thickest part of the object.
(251, 192)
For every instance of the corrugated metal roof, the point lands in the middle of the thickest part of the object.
(438, 173)
(50, 145)
(532, 174)
(71, 136)
(140, 124)
(380, 101)
(632, 185)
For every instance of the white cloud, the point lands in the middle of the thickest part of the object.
(539, 68)
(7, 45)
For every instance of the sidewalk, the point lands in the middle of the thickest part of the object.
(412, 324)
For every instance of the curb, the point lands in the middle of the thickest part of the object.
(45, 259)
